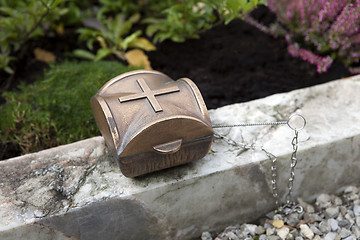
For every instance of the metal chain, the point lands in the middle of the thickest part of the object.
(290, 206)
(295, 145)
(274, 186)
(250, 124)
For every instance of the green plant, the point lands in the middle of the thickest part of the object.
(113, 36)
(179, 20)
(127, 7)
(231, 9)
(55, 109)
(22, 20)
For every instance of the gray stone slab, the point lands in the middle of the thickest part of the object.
(76, 191)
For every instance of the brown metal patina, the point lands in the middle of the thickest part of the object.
(151, 122)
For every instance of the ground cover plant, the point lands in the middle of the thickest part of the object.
(55, 109)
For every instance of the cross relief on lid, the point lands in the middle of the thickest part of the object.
(149, 94)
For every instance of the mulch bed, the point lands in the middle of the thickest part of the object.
(237, 63)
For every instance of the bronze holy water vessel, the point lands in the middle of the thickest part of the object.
(151, 122)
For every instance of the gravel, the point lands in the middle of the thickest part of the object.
(331, 217)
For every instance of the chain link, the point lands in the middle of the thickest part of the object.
(273, 160)
(295, 145)
(290, 206)
(251, 124)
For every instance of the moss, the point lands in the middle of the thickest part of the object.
(55, 109)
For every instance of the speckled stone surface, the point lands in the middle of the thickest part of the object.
(77, 191)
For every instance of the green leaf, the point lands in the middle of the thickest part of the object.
(8, 70)
(90, 43)
(120, 27)
(142, 43)
(9, 11)
(234, 5)
(84, 54)
(124, 43)
(56, 3)
(134, 18)
(151, 29)
(102, 53)
(229, 19)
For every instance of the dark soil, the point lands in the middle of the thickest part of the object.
(229, 64)
(27, 69)
(238, 63)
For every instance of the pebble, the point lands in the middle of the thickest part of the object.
(232, 236)
(332, 212)
(263, 237)
(343, 210)
(356, 231)
(333, 224)
(344, 224)
(259, 230)
(251, 229)
(315, 230)
(351, 189)
(357, 220)
(349, 217)
(337, 201)
(278, 217)
(273, 238)
(312, 217)
(206, 236)
(306, 231)
(330, 218)
(283, 232)
(324, 227)
(290, 237)
(295, 233)
(317, 237)
(344, 233)
(351, 237)
(270, 231)
(330, 236)
(357, 210)
(323, 200)
(353, 197)
(316, 217)
(293, 222)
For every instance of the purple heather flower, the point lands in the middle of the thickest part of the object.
(331, 26)
(322, 63)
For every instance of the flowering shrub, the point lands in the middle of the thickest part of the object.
(321, 30)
